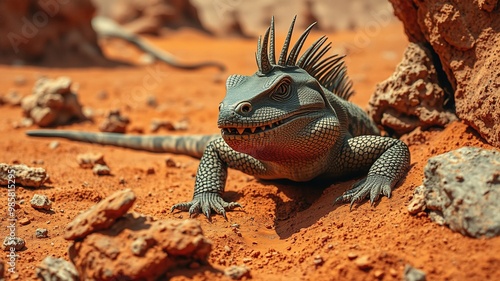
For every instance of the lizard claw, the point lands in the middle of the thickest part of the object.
(205, 203)
(373, 185)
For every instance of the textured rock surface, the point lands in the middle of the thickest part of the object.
(56, 32)
(24, 175)
(115, 122)
(52, 103)
(149, 16)
(462, 190)
(55, 269)
(100, 216)
(41, 202)
(466, 37)
(17, 243)
(137, 248)
(412, 274)
(412, 96)
(226, 17)
(90, 159)
(252, 17)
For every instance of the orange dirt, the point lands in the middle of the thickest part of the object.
(284, 227)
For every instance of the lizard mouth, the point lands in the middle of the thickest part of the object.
(250, 130)
(254, 130)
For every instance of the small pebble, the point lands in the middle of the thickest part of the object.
(41, 233)
(101, 170)
(53, 144)
(236, 272)
(41, 202)
(318, 260)
(352, 255)
(363, 262)
(24, 221)
(16, 242)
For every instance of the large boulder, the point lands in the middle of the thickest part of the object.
(52, 32)
(412, 96)
(466, 37)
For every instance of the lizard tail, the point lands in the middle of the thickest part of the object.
(192, 145)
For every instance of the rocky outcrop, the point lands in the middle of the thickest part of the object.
(251, 18)
(53, 32)
(22, 175)
(52, 103)
(412, 96)
(461, 189)
(248, 18)
(466, 37)
(110, 244)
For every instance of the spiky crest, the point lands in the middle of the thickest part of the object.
(329, 71)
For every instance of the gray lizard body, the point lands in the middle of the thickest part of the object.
(290, 120)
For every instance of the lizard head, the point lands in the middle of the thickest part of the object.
(282, 112)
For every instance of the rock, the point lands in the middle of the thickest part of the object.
(23, 175)
(41, 202)
(13, 242)
(417, 204)
(12, 98)
(236, 272)
(363, 262)
(462, 188)
(41, 233)
(53, 145)
(170, 163)
(52, 103)
(101, 170)
(156, 125)
(100, 216)
(413, 274)
(48, 33)
(24, 221)
(318, 260)
(250, 18)
(412, 96)
(115, 123)
(89, 160)
(138, 248)
(56, 269)
(465, 35)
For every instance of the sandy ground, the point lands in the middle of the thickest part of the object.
(283, 227)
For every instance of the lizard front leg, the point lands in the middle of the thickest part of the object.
(211, 179)
(387, 161)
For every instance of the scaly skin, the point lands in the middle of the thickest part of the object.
(290, 120)
(286, 122)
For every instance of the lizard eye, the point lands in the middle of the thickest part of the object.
(282, 92)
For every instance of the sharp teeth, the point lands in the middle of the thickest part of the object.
(253, 129)
(270, 126)
(240, 130)
(263, 128)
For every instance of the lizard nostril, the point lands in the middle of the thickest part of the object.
(244, 107)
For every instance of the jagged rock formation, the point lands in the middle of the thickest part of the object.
(466, 37)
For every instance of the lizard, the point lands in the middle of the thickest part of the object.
(108, 28)
(291, 120)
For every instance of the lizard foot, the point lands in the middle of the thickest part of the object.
(205, 203)
(373, 185)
